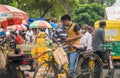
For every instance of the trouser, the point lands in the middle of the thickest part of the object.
(103, 55)
(72, 57)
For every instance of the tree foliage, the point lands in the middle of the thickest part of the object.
(102, 2)
(88, 13)
(52, 8)
(68, 5)
(109, 2)
(44, 8)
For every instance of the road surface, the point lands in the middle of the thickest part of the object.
(116, 75)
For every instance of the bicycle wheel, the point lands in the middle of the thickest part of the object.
(90, 66)
(46, 70)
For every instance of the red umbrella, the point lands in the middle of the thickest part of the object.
(11, 12)
(11, 21)
(17, 27)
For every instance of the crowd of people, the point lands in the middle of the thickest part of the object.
(30, 36)
(70, 33)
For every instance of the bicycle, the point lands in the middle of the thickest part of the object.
(49, 69)
(108, 50)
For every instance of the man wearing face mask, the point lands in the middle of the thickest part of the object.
(73, 38)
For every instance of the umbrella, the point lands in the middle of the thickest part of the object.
(17, 27)
(54, 25)
(40, 24)
(11, 12)
(11, 21)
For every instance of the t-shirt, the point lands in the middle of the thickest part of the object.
(98, 38)
(29, 33)
(19, 39)
(76, 28)
(86, 40)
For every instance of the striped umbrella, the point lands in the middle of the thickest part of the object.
(17, 27)
(12, 12)
(40, 24)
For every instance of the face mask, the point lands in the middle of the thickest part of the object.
(66, 27)
(83, 31)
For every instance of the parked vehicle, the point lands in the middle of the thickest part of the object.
(112, 31)
(20, 66)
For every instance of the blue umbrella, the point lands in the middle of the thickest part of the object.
(54, 25)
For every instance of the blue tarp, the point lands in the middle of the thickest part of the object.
(54, 25)
(33, 19)
(30, 20)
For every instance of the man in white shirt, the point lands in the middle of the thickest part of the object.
(86, 39)
(29, 35)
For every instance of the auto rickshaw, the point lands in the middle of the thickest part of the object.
(112, 31)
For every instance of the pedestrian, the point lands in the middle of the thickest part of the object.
(98, 40)
(29, 36)
(13, 40)
(19, 38)
(91, 30)
(83, 28)
(41, 34)
(73, 36)
(40, 41)
(86, 39)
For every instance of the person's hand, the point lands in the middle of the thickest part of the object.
(67, 40)
(48, 50)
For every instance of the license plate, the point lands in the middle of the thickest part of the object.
(24, 67)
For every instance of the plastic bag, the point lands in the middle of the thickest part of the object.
(60, 57)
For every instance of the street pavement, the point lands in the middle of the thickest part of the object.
(116, 74)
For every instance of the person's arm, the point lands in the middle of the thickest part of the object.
(41, 54)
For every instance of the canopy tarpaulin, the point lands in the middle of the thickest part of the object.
(34, 19)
